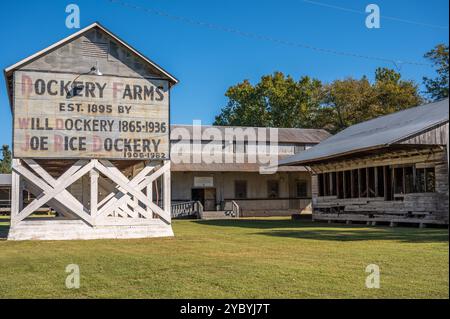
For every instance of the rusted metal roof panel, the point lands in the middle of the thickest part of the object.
(376, 133)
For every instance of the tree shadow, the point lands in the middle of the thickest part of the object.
(346, 235)
(256, 223)
(334, 232)
(4, 231)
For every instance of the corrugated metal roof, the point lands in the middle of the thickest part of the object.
(5, 179)
(231, 167)
(285, 135)
(376, 133)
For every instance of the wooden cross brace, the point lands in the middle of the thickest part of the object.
(123, 199)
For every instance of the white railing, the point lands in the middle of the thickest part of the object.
(236, 209)
(187, 209)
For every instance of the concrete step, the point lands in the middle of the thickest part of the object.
(216, 215)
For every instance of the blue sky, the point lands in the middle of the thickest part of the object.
(207, 61)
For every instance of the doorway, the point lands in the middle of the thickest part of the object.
(206, 196)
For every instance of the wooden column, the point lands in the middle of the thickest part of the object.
(375, 179)
(404, 180)
(149, 192)
(16, 192)
(331, 183)
(94, 193)
(344, 185)
(359, 182)
(367, 182)
(394, 183)
(352, 182)
(167, 190)
(385, 182)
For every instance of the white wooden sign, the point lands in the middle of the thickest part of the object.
(203, 181)
(89, 116)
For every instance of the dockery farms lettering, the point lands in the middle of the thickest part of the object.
(105, 117)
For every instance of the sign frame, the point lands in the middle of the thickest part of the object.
(163, 136)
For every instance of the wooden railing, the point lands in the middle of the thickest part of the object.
(236, 209)
(192, 209)
(231, 208)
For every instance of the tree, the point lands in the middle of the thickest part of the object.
(277, 101)
(351, 101)
(280, 101)
(5, 163)
(437, 88)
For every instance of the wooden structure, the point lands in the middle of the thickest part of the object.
(91, 140)
(221, 186)
(393, 169)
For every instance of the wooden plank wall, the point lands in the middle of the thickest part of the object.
(435, 136)
(421, 208)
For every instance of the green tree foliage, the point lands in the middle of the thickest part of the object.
(5, 163)
(280, 101)
(276, 101)
(437, 88)
(351, 101)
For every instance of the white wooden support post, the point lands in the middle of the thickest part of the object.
(149, 192)
(16, 193)
(167, 203)
(109, 218)
(94, 194)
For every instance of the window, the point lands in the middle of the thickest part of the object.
(320, 184)
(240, 189)
(340, 184)
(420, 180)
(431, 180)
(371, 182)
(425, 180)
(348, 184)
(326, 184)
(409, 179)
(272, 189)
(302, 188)
(354, 185)
(380, 181)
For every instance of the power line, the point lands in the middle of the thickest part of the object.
(397, 63)
(326, 5)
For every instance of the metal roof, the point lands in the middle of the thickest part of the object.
(376, 133)
(9, 70)
(285, 135)
(19, 64)
(5, 179)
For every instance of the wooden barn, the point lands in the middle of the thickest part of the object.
(90, 140)
(392, 169)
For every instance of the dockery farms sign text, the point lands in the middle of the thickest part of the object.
(87, 116)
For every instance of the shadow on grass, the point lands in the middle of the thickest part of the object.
(257, 223)
(335, 232)
(3, 231)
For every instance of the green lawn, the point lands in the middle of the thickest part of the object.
(265, 258)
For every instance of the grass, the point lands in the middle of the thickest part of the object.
(260, 258)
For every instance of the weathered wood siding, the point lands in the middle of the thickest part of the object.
(435, 136)
(42, 84)
(107, 117)
(421, 208)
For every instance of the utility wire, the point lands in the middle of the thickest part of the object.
(396, 63)
(326, 5)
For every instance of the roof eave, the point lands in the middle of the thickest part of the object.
(10, 69)
(327, 158)
(429, 127)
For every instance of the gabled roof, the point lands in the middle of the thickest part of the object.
(9, 70)
(285, 135)
(377, 133)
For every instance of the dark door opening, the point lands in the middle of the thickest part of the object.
(198, 194)
(206, 196)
